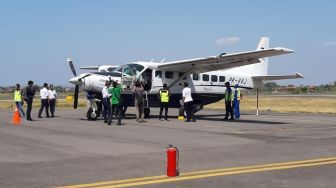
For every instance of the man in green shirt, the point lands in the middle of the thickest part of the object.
(115, 92)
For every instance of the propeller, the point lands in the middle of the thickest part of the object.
(72, 66)
(76, 97)
(75, 104)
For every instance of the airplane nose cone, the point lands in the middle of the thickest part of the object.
(75, 80)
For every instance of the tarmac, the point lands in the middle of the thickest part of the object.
(269, 150)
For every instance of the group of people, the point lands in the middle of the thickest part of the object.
(48, 99)
(112, 102)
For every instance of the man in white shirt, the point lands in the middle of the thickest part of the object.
(52, 100)
(106, 102)
(188, 102)
(44, 100)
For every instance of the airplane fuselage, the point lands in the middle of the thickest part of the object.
(206, 87)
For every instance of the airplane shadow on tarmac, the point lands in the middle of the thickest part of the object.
(208, 117)
(220, 117)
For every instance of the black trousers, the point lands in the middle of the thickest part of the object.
(52, 104)
(116, 108)
(228, 109)
(107, 109)
(189, 110)
(29, 108)
(44, 104)
(165, 106)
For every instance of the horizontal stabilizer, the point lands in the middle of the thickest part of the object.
(277, 77)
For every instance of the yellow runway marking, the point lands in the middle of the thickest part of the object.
(208, 173)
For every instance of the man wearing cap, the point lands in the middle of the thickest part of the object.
(236, 101)
(29, 93)
(52, 99)
(164, 95)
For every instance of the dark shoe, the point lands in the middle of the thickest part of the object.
(186, 120)
(109, 123)
(48, 116)
(225, 119)
(193, 120)
(39, 116)
(167, 119)
(231, 118)
(118, 124)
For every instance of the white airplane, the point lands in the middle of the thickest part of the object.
(206, 76)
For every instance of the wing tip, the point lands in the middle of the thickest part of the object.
(286, 50)
(299, 75)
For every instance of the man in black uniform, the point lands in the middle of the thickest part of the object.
(164, 95)
(29, 97)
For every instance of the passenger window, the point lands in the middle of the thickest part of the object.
(169, 74)
(195, 76)
(158, 74)
(180, 74)
(205, 77)
(221, 78)
(214, 78)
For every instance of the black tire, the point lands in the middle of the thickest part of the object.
(90, 115)
(147, 112)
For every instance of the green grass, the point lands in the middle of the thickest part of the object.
(62, 103)
(284, 104)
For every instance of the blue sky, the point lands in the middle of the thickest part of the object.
(37, 36)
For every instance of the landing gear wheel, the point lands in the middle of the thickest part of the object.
(147, 112)
(91, 115)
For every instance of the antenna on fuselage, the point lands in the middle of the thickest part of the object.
(162, 60)
(152, 60)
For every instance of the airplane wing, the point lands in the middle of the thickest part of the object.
(278, 77)
(89, 67)
(223, 61)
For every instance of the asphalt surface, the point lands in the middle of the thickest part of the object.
(69, 150)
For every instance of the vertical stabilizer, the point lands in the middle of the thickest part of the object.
(262, 67)
(258, 69)
(263, 43)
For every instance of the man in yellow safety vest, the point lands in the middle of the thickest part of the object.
(164, 95)
(18, 99)
(228, 101)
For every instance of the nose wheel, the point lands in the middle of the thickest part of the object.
(92, 115)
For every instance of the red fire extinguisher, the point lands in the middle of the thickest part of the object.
(172, 161)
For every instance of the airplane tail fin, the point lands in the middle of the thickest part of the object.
(262, 67)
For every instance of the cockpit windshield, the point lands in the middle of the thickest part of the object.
(131, 69)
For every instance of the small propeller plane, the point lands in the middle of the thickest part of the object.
(206, 76)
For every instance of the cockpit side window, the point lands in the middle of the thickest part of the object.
(131, 69)
(158, 74)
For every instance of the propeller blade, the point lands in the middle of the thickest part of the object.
(72, 66)
(76, 97)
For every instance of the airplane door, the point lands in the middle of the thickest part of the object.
(127, 79)
(147, 77)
